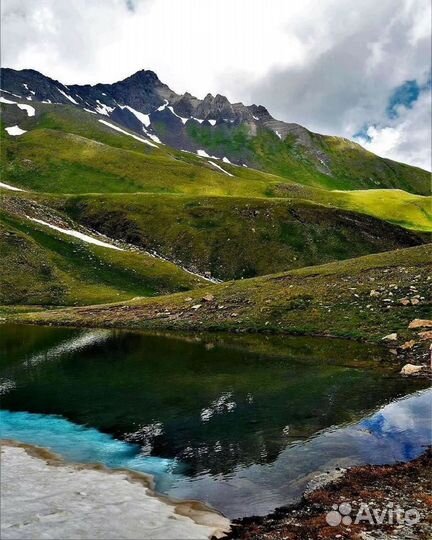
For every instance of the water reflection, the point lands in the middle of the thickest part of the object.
(243, 420)
(398, 432)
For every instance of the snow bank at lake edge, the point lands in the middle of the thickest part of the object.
(55, 496)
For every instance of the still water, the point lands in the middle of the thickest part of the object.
(239, 422)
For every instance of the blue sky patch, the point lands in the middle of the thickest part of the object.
(362, 133)
(405, 94)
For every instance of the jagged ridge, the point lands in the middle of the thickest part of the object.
(243, 135)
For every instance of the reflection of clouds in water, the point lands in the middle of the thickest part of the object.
(219, 406)
(71, 345)
(398, 432)
(145, 435)
(396, 425)
(390, 420)
(6, 385)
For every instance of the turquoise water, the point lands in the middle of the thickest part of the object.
(239, 422)
(83, 444)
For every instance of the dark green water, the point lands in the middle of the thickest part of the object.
(222, 411)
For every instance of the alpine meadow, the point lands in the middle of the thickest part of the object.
(215, 323)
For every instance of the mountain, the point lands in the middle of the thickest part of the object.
(101, 202)
(215, 128)
(227, 224)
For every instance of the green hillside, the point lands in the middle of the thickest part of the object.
(332, 299)
(60, 154)
(233, 237)
(39, 265)
(229, 222)
(313, 159)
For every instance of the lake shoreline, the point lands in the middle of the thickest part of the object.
(411, 347)
(30, 476)
(405, 484)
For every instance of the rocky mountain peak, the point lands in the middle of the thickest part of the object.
(143, 76)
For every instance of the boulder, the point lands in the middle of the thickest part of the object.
(208, 298)
(411, 369)
(420, 323)
(426, 335)
(390, 337)
(408, 344)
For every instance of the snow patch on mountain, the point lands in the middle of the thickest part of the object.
(71, 99)
(163, 107)
(112, 126)
(220, 168)
(11, 93)
(154, 138)
(8, 186)
(184, 120)
(31, 111)
(7, 101)
(143, 118)
(103, 109)
(15, 131)
(28, 89)
(76, 234)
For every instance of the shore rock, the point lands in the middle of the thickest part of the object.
(420, 323)
(408, 344)
(426, 335)
(411, 369)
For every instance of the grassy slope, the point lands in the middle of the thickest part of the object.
(42, 266)
(234, 237)
(351, 166)
(241, 230)
(70, 131)
(392, 205)
(330, 299)
(71, 152)
(395, 206)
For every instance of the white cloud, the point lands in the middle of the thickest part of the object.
(330, 65)
(190, 44)
(407, 139)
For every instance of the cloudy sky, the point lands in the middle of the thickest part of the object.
(360, 69)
